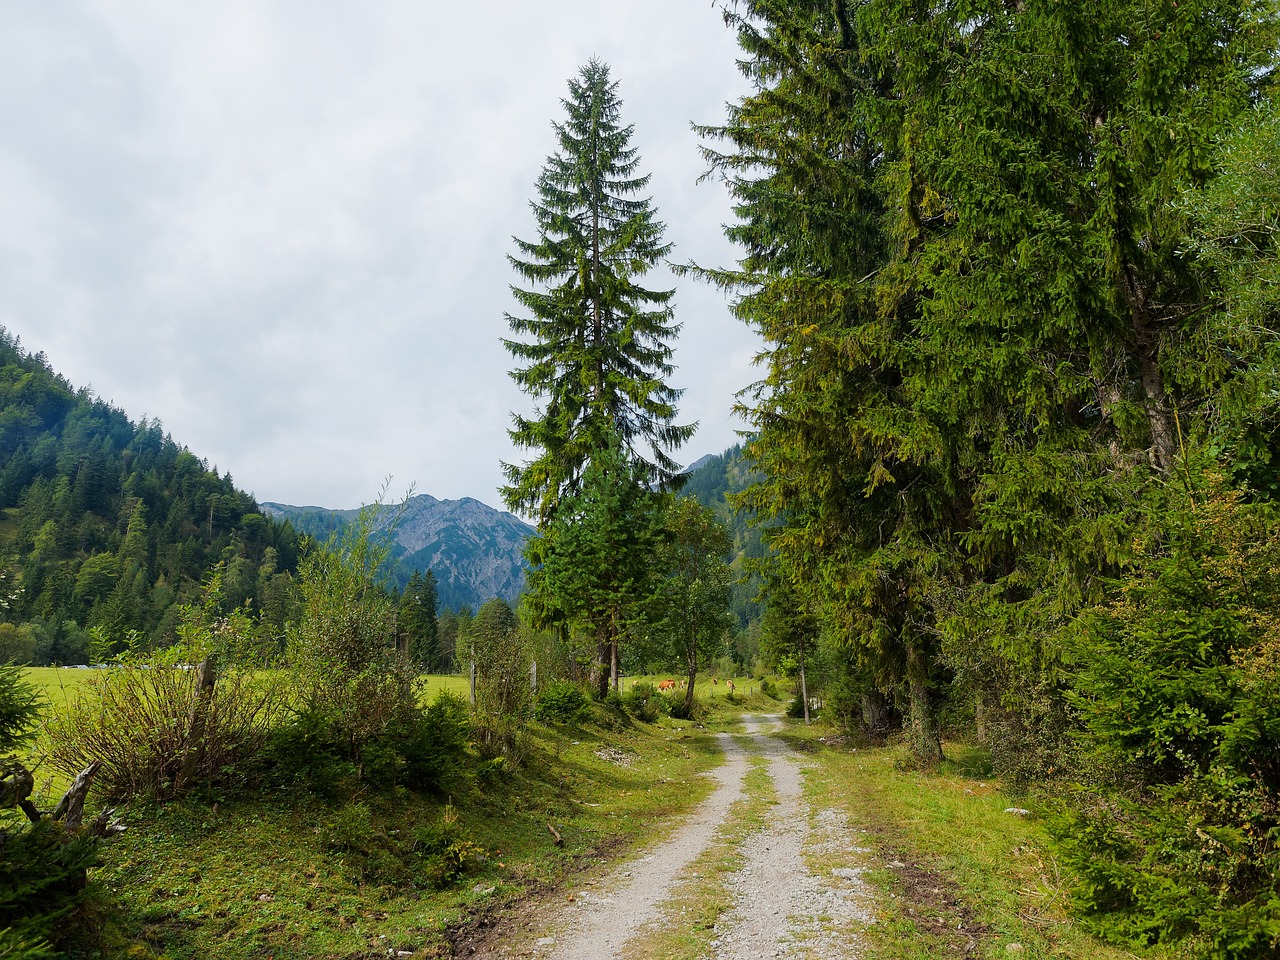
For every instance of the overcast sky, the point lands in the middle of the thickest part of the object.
(281, 227)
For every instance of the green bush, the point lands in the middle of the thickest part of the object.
(430, 855)
(769, 688)
(644, 702)
(696, 710)
(367, 851)
(137, 718)
(43, 864)
(561, 701)
(795, 709)
(445, 849)
(434, 743)
(16, 946)
(1171, 834)
(425, 749)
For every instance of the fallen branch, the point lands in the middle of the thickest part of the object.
(556, 833)
(70, 809)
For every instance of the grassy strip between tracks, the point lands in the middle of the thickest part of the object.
(688, 925)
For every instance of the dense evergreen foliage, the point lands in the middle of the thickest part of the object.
(109, 525)
(1012, 265)
(596, 362)
(598, 349)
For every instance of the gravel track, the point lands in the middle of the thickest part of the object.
(779, 908)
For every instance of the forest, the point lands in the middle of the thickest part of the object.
(1008, 485)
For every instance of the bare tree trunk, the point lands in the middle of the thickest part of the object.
(1164, 447)
(925, 744)
(473, 676)
(804, 685)
(197, 724)
(693, 676)
(876, 714)
(613, 664)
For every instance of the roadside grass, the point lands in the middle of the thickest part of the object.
(259, 875)
(955, 874)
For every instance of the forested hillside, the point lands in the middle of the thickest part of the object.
(109, 525)
(714, 481)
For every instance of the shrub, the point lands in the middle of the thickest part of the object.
(445, 849)
(503, 693)
(769, 688)
(42, 864)
(694, 711)
(644, 702)
(368, 852)
(1177, 687)
(432, 855)
(425, 750)
(140, 720)
(17, 946)
(561, 701)
(434, 743)
(308, 751)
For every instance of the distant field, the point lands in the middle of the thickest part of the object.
(59, 684)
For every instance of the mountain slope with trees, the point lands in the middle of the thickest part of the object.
(109, 526)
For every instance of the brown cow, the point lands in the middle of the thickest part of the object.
(666, 685)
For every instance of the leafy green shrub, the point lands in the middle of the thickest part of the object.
(795, 709)
(644, 702)
(425, 750)
(434, 742)
(367, 851)
(445, 849)
(307, 751)
(428, 855)
(561, 701)
(769, 688)
(696, 710)
(17, 946)
(43, 864)
(19, 708)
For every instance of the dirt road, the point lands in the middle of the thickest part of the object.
(781, 907)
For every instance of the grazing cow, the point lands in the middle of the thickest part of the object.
(666, 685)
(729, 684)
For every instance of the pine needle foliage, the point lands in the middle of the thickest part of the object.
(594, 347)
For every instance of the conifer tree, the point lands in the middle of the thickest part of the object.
(594, 348)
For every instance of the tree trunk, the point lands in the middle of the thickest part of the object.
(601, 667)
(804, 685)
(197, 724)
(876, 714)
(925, 744)
(693, 676)
(473, 676)
(1164, 447)
(613, 665)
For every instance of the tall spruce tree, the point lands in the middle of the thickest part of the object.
(595, 346)
(855, 483)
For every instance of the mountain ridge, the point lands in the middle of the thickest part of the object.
(475, 551)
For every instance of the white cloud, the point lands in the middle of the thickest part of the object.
(282, 227)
